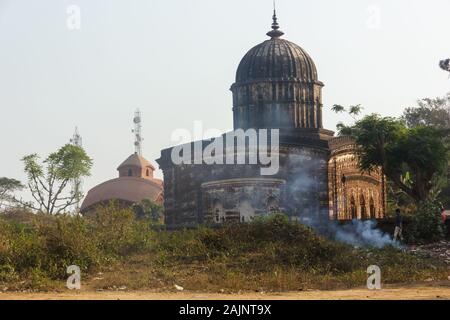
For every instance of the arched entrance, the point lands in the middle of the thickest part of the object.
(372, 209)
(362, 207)
(272, 205)
(246, 210)
(353, 212)
(218, 212)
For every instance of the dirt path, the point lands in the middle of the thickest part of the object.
(358, 294)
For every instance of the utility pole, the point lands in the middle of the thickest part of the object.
(137, 120)
(77, 184)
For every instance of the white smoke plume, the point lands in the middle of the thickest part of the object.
(363, 234)
(357, 233)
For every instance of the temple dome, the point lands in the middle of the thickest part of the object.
(135, 183)
(277, 87)
(136, 161)
(125, 190)
(276, 59)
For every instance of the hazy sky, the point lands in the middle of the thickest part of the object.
(176, 60)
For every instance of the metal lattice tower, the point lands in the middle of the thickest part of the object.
(77, 184)
(137, 120)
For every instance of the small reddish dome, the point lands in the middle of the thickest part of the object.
(136, 166)
(135, 183)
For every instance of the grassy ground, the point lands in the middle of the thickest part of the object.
(117, 252)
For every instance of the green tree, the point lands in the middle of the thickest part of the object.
(429, 112)
(48, 181)
(7, 188)
(148, 209)
(354, 111)
(375, 137)
(422, 153)
(433, 112)
(411, 158)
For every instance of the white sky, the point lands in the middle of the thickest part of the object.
(176, 60)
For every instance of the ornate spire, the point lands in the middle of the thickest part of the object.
(275, 32)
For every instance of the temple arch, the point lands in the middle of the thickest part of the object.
(372, 209)
(246, 210)
(362, 205)
(218, 211)
(353, 212)
(272, 205)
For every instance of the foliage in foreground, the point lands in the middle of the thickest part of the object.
(268, 254)
(43, 247)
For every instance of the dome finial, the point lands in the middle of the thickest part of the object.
(275, 32)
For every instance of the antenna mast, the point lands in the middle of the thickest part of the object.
(137, 120)
(77, 184)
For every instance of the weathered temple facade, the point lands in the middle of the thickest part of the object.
(353, 194)
(277, 87)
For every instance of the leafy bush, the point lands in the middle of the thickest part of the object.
(49, 244)
(149, 210)
(114, 229)
(427, 223)
(261, 245)
(67, 241)
(270, 252)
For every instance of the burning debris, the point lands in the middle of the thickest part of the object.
(439, 250)
(363, 234)
(358, 233)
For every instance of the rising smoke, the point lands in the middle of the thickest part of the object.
(361, 234)
(303, 190)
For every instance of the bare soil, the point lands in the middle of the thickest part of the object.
(438, 292)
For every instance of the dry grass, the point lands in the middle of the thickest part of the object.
(117, 252)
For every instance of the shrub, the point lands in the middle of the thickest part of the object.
(269, 252)
(67, 241)
(47, 245)
(426, 223)
(262, 244)
(117, 232)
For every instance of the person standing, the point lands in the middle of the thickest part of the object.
(398, 232)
